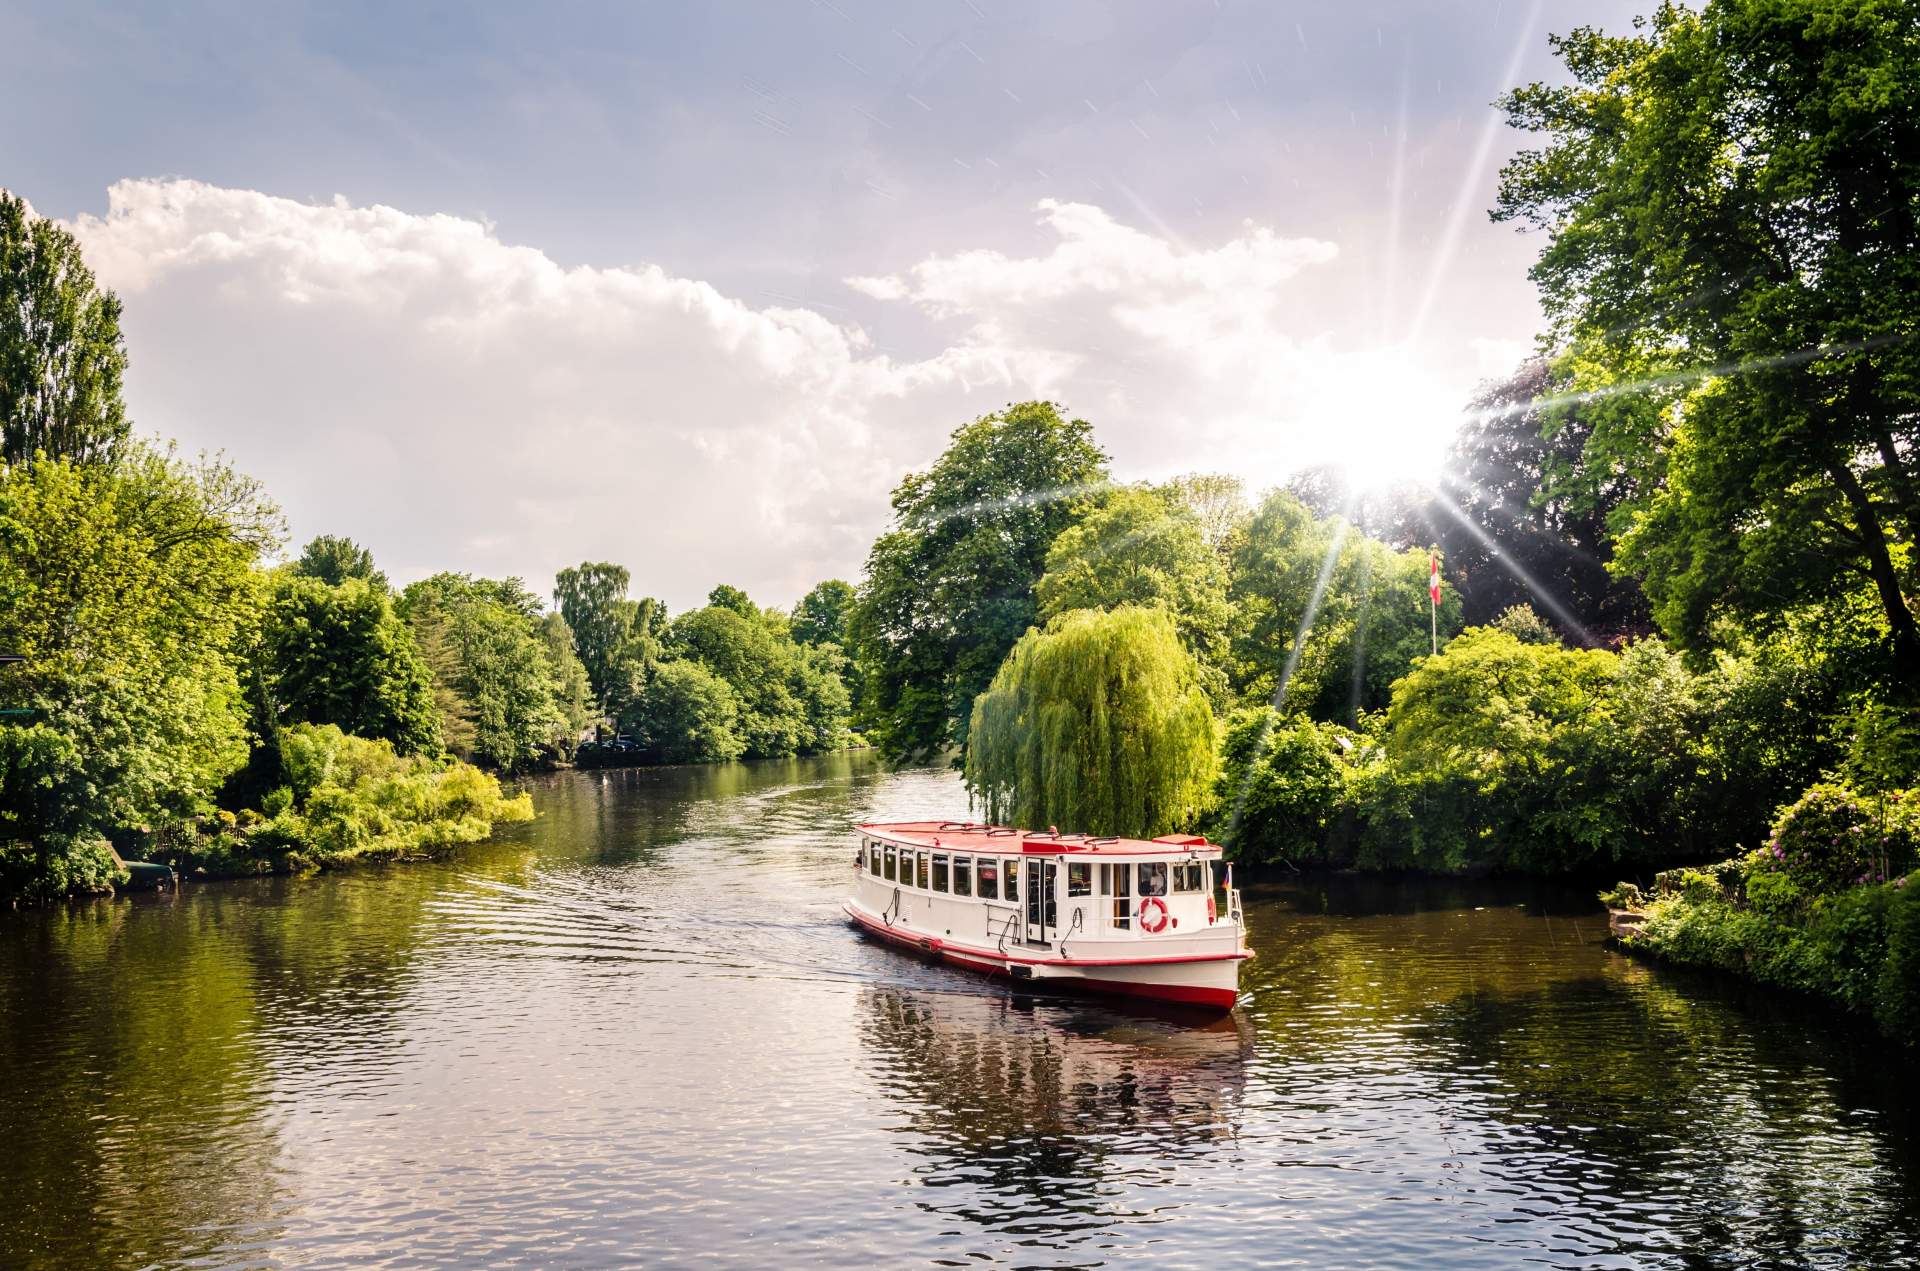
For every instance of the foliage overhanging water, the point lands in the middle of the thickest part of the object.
(638, 1031)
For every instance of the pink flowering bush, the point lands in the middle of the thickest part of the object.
(1834, 837)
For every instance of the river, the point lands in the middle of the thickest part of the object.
(638, 1032)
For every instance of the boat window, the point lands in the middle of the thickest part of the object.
(1079, 878)
(939, 871)
(1010, 880)
(920, 865)
(988, 876)
(963, 875)
(1153, 878)
(1187, 876)
(1121, 892)
(888, 874)
(873, 858)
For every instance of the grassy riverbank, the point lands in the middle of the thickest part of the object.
(1828, 907)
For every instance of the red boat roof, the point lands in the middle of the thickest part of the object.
(976, 836)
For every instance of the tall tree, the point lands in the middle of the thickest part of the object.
(1518, 527)
(951, 586)
(500, 667)
(62, 357)
(592, 598)
(333, 560)
(342, 655)
(127, 589)
(822, 614)
(1734, 238)
(1097, 725)
(1142, 547)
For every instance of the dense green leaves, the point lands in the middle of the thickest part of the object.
(687, 715)
(821, 616)
(61, 355)
(342, 655)
(1147, 548)
(951, 586)
(1098, 724)
(1730, 201)
(593, 599)
(127, 590)
(505, 686)
(333, 560)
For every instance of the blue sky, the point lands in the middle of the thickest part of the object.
(496, 288)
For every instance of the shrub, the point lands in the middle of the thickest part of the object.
(1283, 787)
(1833, 837)
(348, 798)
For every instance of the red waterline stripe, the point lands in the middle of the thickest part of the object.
(935, 944)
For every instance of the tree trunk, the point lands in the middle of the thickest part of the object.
(1900, 621)
(1901, 483)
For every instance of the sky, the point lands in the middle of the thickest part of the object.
(499, 289)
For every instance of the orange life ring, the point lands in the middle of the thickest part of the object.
(1153, 905)
(1211, 915)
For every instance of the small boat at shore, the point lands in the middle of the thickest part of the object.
(1128, 917)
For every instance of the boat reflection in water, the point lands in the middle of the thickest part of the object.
(1026, 1105)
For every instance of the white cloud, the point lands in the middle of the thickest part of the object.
(460, 402)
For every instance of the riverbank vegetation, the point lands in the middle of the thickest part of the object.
(1677, 557)
(173, 693)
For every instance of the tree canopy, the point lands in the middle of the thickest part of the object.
(592, 597)
(127, 590)
(62, 358)
(333, 560)
(822, 614)
(1733, 245)
(1142, 547)
(501, 670)
(1098, 724)
(343, 655)
(950, 586)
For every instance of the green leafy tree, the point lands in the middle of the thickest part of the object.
(572, 691)
(687, 715)
(1525, 625)
(62, 357)
(1098, 724)
(1334, 616)
(592, 597)
(822, 614)
(500, 669)
(951, 586)
(1218, 503)
(1283, 787)
(1728, 199)
(1482, 744)
(733, 598)
(760, 667)
(127, 590)
(1142, 548)
(333, 560)
(342, 655)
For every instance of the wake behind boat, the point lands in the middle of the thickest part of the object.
(1131, 917)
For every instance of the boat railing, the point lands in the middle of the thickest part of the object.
(1234, 914)
(1003, 924)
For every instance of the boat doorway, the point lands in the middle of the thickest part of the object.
(1042, 914)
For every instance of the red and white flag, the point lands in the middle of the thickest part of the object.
(1433, 577)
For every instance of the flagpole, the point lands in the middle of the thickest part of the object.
(1433, 596)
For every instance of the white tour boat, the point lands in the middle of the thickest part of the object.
(1135, 917)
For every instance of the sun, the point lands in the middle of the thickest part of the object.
(1383, 421)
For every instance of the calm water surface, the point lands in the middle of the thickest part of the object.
(637, 1031)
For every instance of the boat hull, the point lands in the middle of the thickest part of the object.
(1207, 981)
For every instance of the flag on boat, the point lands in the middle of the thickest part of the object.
(1433, 576)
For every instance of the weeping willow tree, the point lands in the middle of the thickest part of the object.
(1097, 724)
